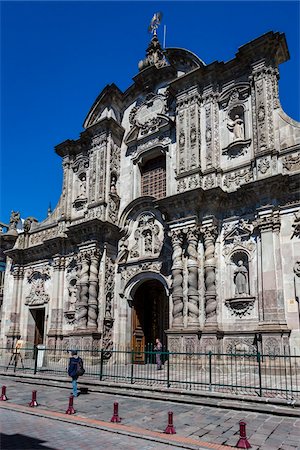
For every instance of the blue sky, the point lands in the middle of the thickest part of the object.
(57, 56)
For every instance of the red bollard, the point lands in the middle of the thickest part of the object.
(70, 409)
(170, 428)
(243, 441)
(33, 400)
(115, 418)
(3, 397)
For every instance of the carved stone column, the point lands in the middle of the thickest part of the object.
(93, 290)
(192, 265)
(177, 278)
(82, 305)
(209, 235)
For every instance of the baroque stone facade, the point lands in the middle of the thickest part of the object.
(185, 185)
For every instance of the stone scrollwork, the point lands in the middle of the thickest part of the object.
(109, 289)
(291, 162)
(129, 272)
(235, 179)
(297, 268)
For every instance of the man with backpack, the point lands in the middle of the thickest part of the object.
(75, 370)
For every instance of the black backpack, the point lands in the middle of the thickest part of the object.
(80, 369)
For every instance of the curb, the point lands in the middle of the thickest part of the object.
(136, 432)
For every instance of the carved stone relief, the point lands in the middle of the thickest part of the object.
(109, 288)
(296, 225)
(291, 163)
(235, 179)
(146, 237)
(36, 279)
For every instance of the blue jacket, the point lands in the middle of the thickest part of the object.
(73, 365)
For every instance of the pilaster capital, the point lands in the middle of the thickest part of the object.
(176, 237)
(268, 221)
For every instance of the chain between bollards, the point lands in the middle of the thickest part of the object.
(3, 397)
(170, 428)
(71, 409)
(115, 418)
(243, 441)
(33, 402)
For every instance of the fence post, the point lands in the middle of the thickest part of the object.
(35, 359)
(131, 372)
(259, 372)
(168, 369)
(210, 370)
(101, 364)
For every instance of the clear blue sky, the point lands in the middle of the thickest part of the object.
(57, 56)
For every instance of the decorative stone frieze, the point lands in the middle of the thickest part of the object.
(129, 272)
(234, 179)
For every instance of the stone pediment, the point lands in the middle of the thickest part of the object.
(242, 230)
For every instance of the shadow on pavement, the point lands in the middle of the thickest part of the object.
(20, 441)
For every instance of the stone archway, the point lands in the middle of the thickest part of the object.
(150, 316)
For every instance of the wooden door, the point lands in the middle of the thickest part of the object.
(138, 337)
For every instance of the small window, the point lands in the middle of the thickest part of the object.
(153, 175)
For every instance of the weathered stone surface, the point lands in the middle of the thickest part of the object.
(189, 179)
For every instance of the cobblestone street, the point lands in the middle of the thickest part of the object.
(200, 423)
(22, 431)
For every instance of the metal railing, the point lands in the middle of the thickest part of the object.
(236, 373)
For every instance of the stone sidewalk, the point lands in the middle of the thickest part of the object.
(203, 424)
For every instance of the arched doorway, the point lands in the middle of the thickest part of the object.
(150, 316)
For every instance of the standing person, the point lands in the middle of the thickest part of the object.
(75, 369)
(158, 349)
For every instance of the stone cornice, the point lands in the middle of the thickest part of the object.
(270, 48)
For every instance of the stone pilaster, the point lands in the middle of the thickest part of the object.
(82, 304)
(271, 289)
(209, 231)
(18, 275)
(264, 101)
(177, 278)
(55, 295)
(93, 290)
(192, 266)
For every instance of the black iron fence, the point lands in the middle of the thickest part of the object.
(236, 373)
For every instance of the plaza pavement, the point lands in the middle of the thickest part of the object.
(143, 421)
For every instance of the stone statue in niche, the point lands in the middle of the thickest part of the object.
(241, 279)
(236, 126)
(72, 295)
(113, 183)
(82, 186)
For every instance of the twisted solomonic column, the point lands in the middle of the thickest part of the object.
(93, 290)
(177, 278)
(192, 266)
(210, 235)
(82, 304)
